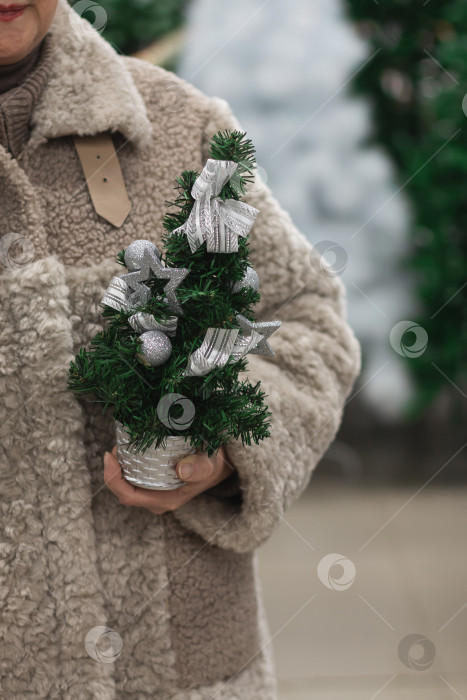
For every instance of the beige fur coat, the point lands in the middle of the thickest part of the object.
(179, 592)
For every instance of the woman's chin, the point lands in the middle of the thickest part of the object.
(16, 45)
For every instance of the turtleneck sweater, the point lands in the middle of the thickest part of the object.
(21, 84)
(13, 74)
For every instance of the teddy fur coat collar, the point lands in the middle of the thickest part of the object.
(90, 89)
(99, 600)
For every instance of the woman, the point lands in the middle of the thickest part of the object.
(109, 591)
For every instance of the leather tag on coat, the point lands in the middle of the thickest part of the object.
(104, 177)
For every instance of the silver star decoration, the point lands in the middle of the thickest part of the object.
(265, 328)
(152, 264)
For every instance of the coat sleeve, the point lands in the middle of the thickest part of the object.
(317, 359)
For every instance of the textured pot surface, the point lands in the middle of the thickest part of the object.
(155, 467)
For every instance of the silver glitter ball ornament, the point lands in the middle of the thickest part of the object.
(249, 279)
(134, 253)
(155, 348)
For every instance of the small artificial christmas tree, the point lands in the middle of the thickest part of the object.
(180, 328)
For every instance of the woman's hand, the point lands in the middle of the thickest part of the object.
(205, 473)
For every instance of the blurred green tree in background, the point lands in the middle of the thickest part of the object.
(417, 80)
(131, 25)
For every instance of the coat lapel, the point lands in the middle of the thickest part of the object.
(22, 214)
(48, 551)
(90, 89)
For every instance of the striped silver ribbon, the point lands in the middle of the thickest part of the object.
(214, 352)
(213, 220)
(220, 346)
(117, 295)
(142, 322)
(244, 344)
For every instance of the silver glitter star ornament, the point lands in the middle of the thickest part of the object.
(249, 279)
(244, 344)
(264, 328)
(151, 264)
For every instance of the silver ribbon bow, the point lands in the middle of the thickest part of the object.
(214, 351)
(244, 344)
(118, 296)
(142, 322)
(221, 345)
(212, 220)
